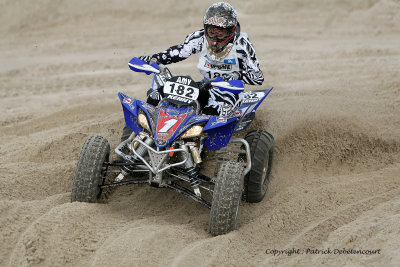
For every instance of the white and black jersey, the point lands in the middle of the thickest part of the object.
(239, 57)
(195, 43)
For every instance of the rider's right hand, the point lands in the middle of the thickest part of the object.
(204, 94)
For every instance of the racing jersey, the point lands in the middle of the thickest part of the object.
(241, 58)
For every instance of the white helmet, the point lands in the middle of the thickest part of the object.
(220, 26)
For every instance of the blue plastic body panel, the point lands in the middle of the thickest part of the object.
(246, 111)
(129, 107)
(219, 130)
(171, 112)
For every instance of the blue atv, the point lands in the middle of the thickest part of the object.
(167, 144)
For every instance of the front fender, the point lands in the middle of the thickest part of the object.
(130, 109)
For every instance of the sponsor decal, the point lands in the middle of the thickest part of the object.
(198, 118)
(252, 97)
(215, 21)
(230, 61)
(219, 120)
(180, 98)
(161, 142)
(250, 100)
(203, 117)
(238, 113)
(226, 67)
(243, 125)
(239, 128)
(167, 125)
(127, 100)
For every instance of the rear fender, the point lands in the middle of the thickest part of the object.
(219, 132)
(246, 111)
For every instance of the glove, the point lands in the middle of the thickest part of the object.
(204, 93)
(231, 76)
(147, 59)
(204, 86)
(153, 98)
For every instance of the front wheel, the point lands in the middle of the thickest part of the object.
(90, 170)
(226, 198)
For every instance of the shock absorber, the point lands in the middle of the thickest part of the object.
(190, 168)
(139, 148)
(125, 170)
(193, 173)
(189, 162)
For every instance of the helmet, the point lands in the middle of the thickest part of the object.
(220, 23)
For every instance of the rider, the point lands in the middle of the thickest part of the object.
(224, 52)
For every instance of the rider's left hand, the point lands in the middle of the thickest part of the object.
(231, 76)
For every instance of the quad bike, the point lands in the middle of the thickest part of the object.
(168, 141)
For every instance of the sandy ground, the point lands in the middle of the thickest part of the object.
(334, 112)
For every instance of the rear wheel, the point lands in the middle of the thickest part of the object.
(262, 151)
(226, 198)
(90, 171)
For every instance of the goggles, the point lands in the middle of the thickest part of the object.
(218, 37)
(218, 32)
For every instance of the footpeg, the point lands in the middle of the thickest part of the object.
(120, 177)
(196, 190)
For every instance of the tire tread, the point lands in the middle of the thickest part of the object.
(226, 198)
(88, 173)
(261, 144)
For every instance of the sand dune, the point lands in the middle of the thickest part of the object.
(334, 113)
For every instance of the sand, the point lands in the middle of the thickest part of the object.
(334, 112)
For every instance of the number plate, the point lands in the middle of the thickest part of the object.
(181, 91)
